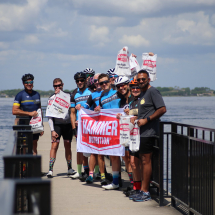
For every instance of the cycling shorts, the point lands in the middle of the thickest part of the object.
(64, 130)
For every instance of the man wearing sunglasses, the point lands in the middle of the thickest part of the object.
(78, 99)
(111, 99)
(150, 108)
(112, 77)
(26, 103)
(60, 127)
(92, 103)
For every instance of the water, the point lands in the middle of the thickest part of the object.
(6, 123)
(198, 111)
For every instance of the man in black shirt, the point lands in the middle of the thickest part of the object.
(150, 108)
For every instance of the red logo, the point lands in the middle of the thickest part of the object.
(134, 131)
(35, 120)
(100, 131)
(122, 57)
(124, 127)
(149, 63)
(50, 102)
(62, 102)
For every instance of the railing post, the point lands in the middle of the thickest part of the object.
(213, 184)
(161, 193)
(173, 130)
(190, 134)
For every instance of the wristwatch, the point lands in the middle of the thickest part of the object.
(148, 118)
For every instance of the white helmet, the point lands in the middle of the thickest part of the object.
(111, 71)
(121, 80)
(89, 71)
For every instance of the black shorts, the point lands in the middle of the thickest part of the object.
(135, 154)
(64, 130)
(36, 136)
(147, 145)
(26, 122)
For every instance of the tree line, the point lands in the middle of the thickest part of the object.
(165, 91)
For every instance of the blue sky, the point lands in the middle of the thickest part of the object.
(56, 38)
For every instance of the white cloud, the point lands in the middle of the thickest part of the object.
(135, 41)
(99, 35)
(32, 39)
(191, 29)
(4, 45)
(14, 17)
(102, 20)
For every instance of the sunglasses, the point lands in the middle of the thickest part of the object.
(103, 82)
(95, 80)
(135, 88)
(141, 79)
(121, 85)
(114, 76)
(89, 75)
(80, 80)
(59, 85)
(29, 82)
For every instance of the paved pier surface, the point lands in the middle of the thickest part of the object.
(75, 197)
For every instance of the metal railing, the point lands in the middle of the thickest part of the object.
(186, 167)
(25, 197)
(22, 190)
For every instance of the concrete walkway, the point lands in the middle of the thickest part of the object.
(75, 197)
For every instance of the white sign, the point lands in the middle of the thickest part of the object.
(60, 106)
(99, 132)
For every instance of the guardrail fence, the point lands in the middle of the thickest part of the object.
(186, 165)
(22, 185)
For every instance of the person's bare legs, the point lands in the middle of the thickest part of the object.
(135, 165)
(146, 171)
(68, 152)
(92, 162)
(126, 159)
(54, 148)
(35, 147)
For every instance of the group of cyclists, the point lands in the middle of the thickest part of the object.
(95, 92)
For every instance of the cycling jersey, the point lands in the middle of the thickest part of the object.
(28, 101)
(93, 100)
(111, 99)
(79, 98)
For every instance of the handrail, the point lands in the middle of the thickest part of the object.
(28, 196)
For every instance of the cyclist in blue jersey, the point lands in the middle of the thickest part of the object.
(112, 76)
(78, 99)
(111, 99)
(92, 102)
(26, 103)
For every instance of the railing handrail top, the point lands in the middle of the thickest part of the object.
(187, 125)
(28, 156)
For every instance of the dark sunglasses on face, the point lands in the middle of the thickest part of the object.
(29, 82)
(121, 85)
(89, 75)
(103, 82)
(59, 85)
(81, 80)
(141, 79)
(95, 80)
(114, 76)
(135, 88)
